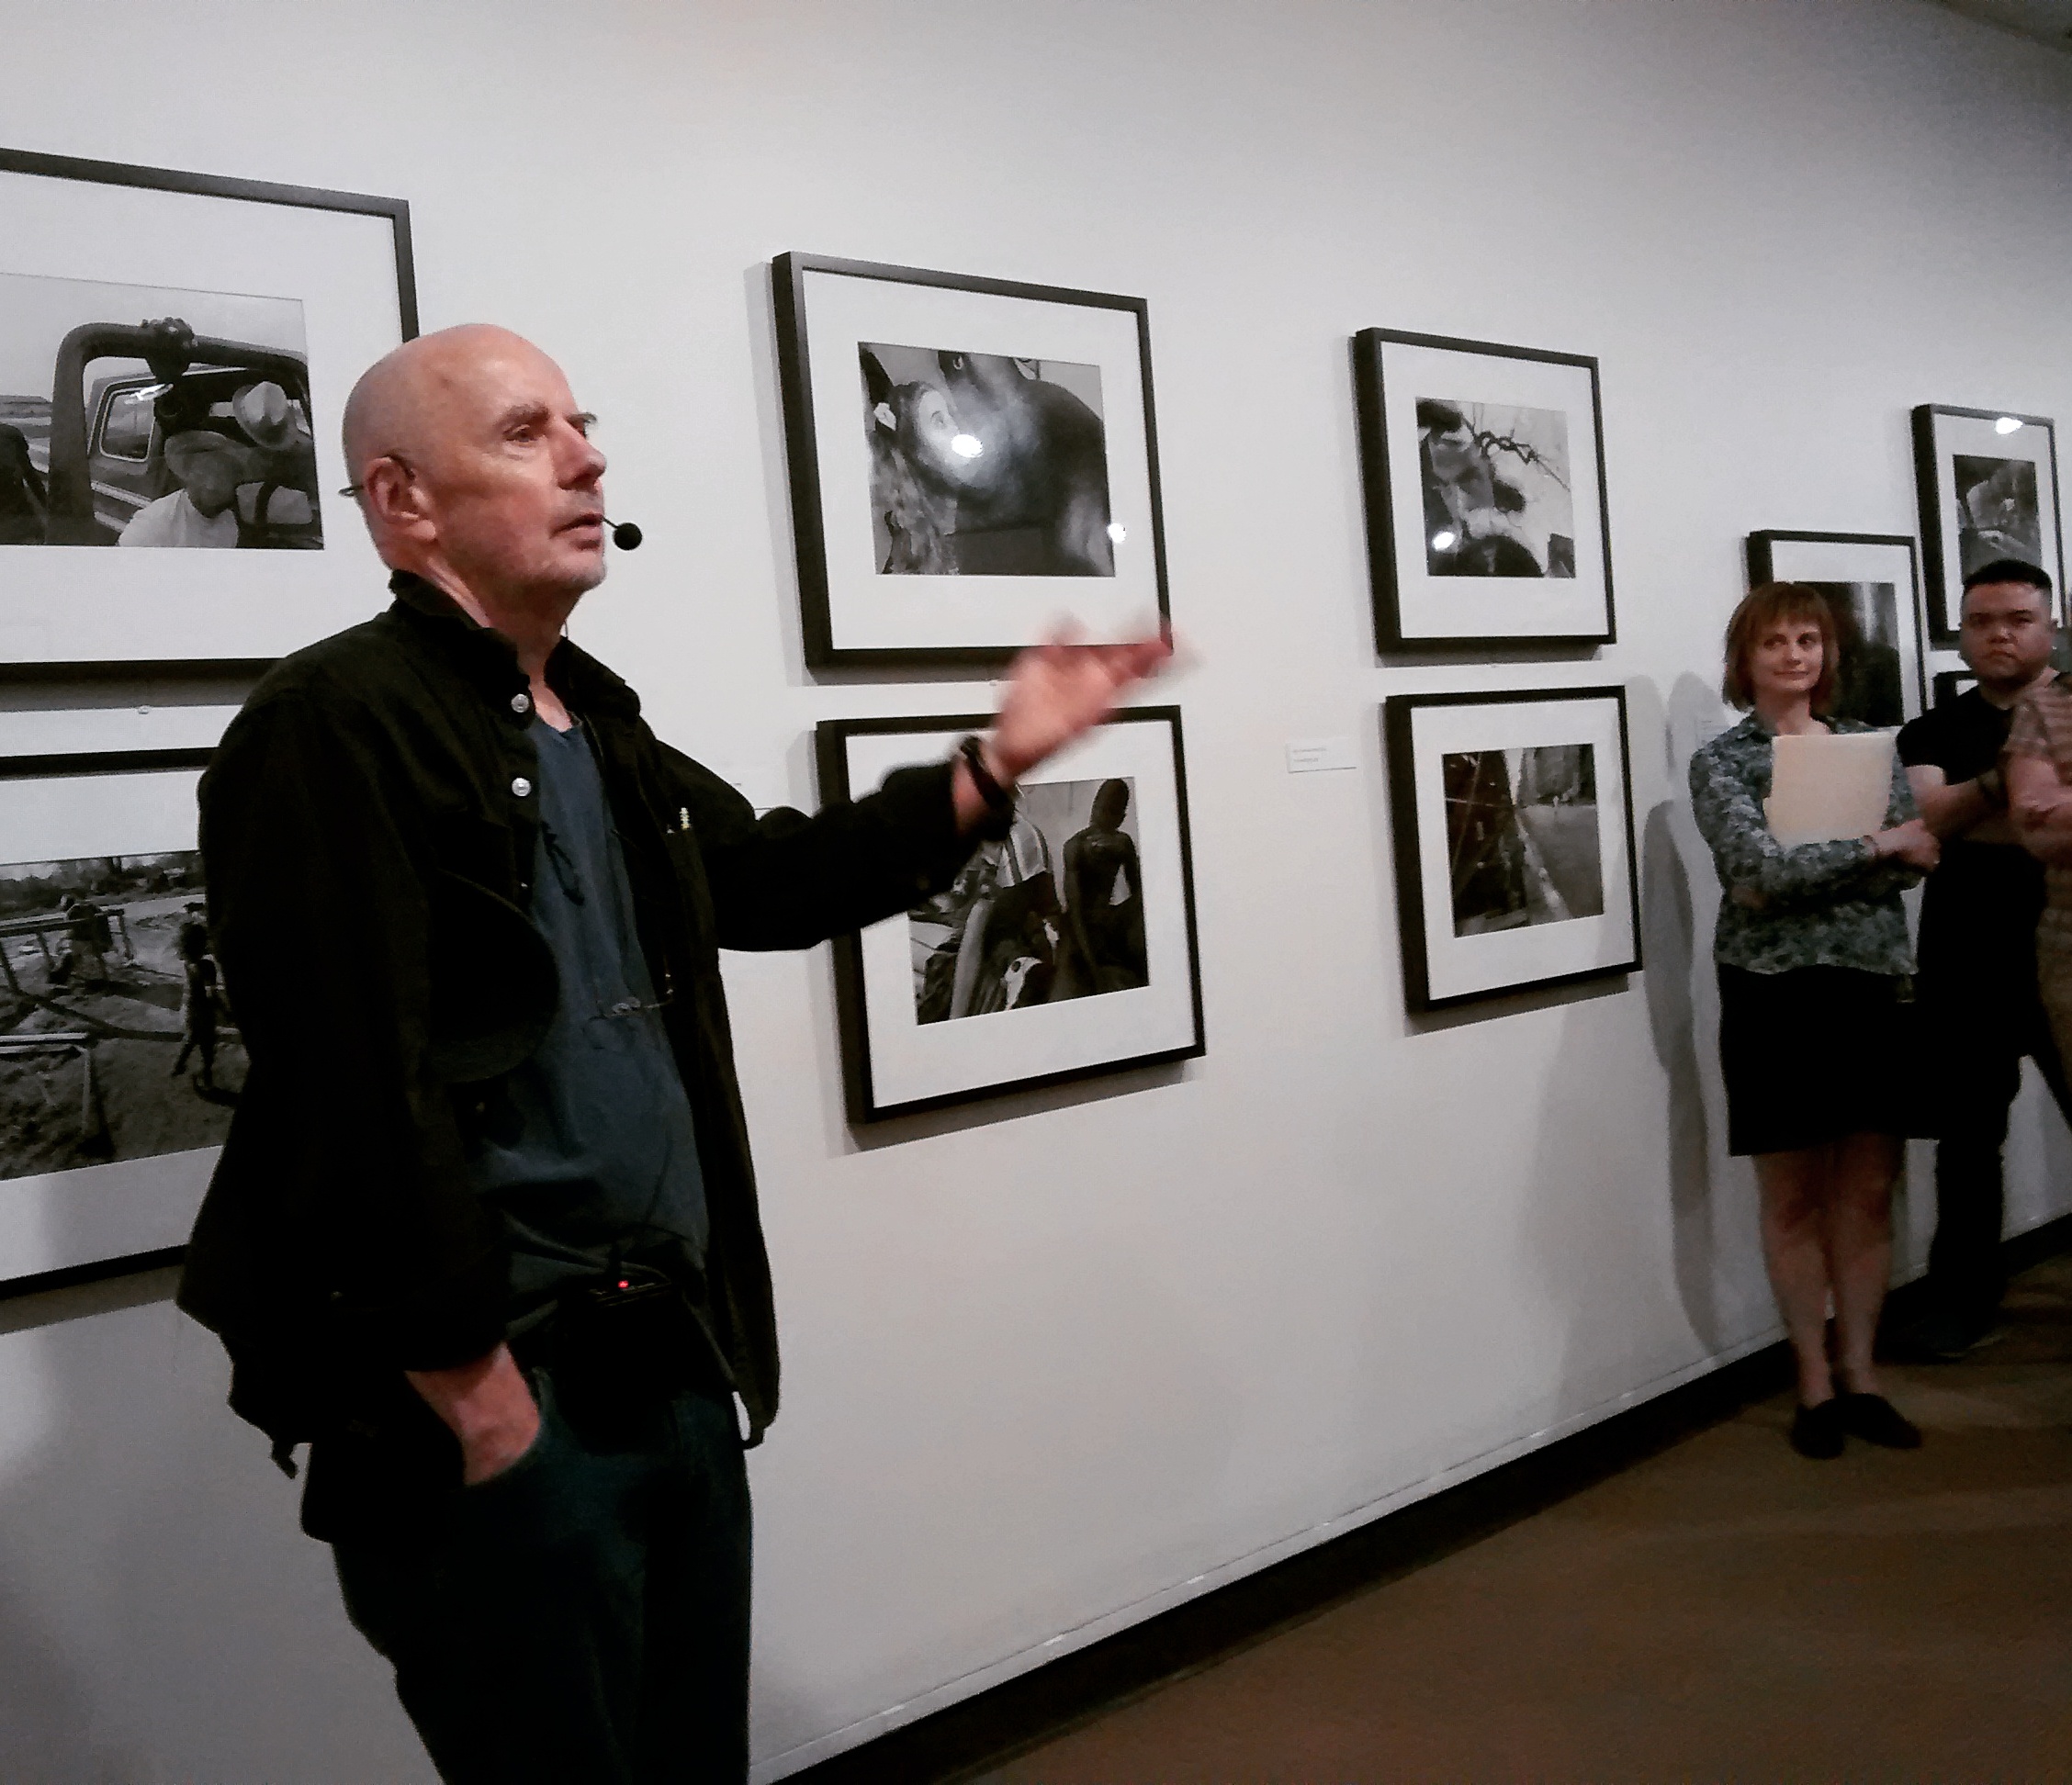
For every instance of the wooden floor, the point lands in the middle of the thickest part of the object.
(1723, 1610)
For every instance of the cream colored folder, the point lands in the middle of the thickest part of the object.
(1824, 788)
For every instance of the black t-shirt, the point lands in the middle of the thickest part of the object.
(589, 1151)
(1981, 910)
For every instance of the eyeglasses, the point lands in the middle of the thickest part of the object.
(356, 490)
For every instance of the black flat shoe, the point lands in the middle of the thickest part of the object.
(1815, 1431)
(1876, 1420)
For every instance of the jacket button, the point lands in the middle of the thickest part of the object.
(521, 786)
(521, 703)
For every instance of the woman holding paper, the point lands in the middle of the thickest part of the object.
(1814, 965)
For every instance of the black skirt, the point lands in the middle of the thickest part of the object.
(1817, 1053)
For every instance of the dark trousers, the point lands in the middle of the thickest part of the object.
(1980, 1025)
(581, 1619)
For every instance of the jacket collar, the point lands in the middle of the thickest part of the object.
(489, 660)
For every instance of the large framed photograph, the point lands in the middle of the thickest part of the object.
(1514, 840)
(973, 463)
(1065, 950)
(175, 351)
(1989, 489)
(1487, 517)
(118, 1064)
(1872, 588)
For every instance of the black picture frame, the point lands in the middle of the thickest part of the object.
(1935, 428)
(865, 975)
(1794, 554)
(826, 533)
(220, 645)
(1400, 597)
(256, 192)
(1951, 683)
(1431, 983)
(117, 1241)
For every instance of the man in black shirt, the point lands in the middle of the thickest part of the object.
(484, 1231)
(1977, 975)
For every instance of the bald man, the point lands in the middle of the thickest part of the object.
(484, 1230)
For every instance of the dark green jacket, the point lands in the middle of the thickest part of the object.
(368, 830)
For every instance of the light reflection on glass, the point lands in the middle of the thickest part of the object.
(966, 446)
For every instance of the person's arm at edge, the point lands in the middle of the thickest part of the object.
(2040, 806)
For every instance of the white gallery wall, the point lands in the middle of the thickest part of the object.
(1058, 1361)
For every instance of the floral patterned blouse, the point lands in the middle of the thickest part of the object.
(1822, 905)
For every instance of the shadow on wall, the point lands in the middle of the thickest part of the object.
(1712, 1198)
(162, 1617)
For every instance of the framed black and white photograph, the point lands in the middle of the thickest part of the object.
(1514, 840)
(118, 1064)
(1487, 516)
(1873, 589)
(973, 463)
(1989, 489)
(1064, 950)
(175, 350)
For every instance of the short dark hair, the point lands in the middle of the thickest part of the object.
(1762, 608)
(2008, 570)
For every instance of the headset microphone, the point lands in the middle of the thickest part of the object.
(625, 535)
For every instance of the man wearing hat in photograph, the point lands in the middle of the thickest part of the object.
(283, 493)
(202, 511)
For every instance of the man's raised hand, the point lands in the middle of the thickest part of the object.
(1057, 692)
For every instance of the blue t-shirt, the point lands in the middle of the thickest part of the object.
(589, 1151)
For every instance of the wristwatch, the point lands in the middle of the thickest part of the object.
(999, 801)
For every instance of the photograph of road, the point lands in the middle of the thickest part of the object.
(135, 416)
(1522, 836)
(114, 1041)
(985, 465)
(1053, 912)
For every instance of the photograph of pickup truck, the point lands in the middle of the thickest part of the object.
(138, 416)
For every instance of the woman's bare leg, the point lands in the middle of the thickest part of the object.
(1794, 1186)
(1859, 1246)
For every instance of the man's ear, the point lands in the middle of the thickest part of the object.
(395, 505)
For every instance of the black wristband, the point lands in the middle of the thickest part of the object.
(999, 802)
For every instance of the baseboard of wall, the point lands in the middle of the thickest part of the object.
(991, 1726)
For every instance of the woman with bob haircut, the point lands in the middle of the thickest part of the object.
(1814, 966)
